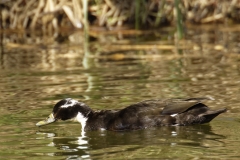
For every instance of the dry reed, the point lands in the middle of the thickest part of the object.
(50, 15)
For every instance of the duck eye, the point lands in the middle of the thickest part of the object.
(69, 102)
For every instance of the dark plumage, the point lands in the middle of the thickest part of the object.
(149, 113)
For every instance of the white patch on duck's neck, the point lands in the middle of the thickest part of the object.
(72, 103)
(81, 119)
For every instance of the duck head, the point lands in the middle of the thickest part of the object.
(68, 109)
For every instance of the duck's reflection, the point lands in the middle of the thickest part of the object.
(103, 142)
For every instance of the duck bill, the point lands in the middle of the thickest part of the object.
(48, 120)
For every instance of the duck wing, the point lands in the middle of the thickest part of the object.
(167, 106)
(174, 106)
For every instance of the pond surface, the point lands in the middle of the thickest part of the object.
(133, 67)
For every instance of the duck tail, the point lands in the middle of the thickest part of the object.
(211, 114)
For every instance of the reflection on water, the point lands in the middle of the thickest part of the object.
(122, 69)
(97, 144)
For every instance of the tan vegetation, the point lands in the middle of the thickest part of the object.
(49, 15)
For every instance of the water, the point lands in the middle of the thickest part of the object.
(34, 77)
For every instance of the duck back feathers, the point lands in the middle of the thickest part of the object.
(158, 112)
